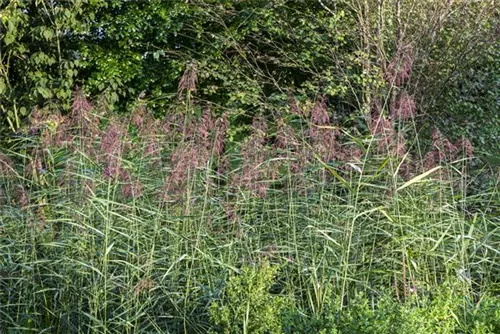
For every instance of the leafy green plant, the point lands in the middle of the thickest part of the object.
(246, 304)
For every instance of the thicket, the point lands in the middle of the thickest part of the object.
(249, 166)
(135, 224)
(250, 56)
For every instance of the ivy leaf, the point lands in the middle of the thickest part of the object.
(44, 91)
(9, 38)
(47, 33)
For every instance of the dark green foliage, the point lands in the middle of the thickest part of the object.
(40, 54)
(251, 54)
(472, 103)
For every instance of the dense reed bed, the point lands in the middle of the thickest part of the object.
(139, 225)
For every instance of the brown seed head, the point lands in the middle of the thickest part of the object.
(320, 112)
(6, 166)
(403, 108)
(81, 117)
(22, 197)
(221, 127)
(206, 125)
(294, 108)
(188, 79)
(144, 285)
(399, 69)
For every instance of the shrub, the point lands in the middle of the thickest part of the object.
(247, 305)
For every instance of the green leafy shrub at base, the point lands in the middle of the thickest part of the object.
(247, 305)
(446, 309)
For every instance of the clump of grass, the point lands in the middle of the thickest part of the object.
(130, 227)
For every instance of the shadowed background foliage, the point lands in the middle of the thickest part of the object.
(250, 56)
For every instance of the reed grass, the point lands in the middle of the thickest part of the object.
(79, 253)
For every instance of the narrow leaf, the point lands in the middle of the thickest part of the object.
(418, 178)
(333, 172)
(109, 249)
